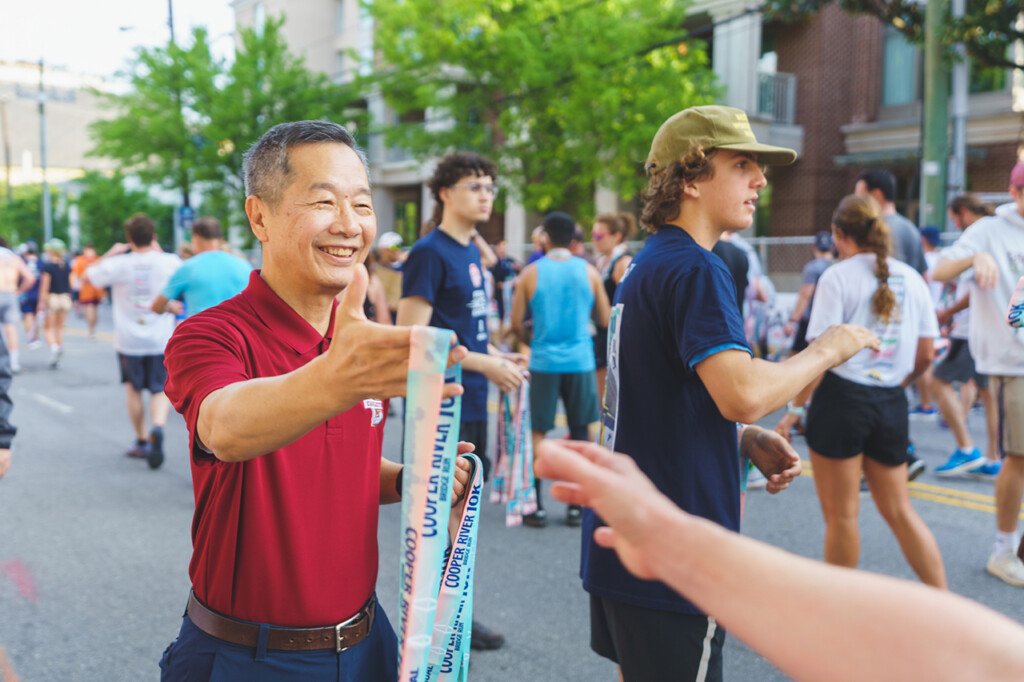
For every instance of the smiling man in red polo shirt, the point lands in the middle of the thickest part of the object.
(282, 392)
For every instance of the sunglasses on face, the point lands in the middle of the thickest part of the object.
(477, 187)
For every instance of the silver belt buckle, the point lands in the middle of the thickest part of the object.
(338, 637)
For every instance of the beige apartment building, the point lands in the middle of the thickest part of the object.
(70, 107)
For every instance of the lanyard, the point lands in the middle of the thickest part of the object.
(438, 544)
(513, 479)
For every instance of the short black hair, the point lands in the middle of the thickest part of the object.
(880, 179)
(560, 228)
(265, 163)
(207, 228)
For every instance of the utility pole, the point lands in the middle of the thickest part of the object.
(936, 116)
(958, 158)
(47, 215)
(7, 150)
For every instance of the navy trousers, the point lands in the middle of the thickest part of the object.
(197, 657)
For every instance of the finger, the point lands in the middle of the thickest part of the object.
(464, 448)
(450, 390)
(457, 355)
(605, 537)
(569, 493)
(352, 300)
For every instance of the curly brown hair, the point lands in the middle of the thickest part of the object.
(663, 196)
(618, 223)
(860, 219)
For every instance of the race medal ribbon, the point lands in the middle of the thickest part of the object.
(438, 542)
(513, 478)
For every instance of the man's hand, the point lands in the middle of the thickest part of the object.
(506, 374)
(592, 476)
(5, 461)
(174, 307)
(463, 472)
(986, 272)
(844, 341)
(372, 360)
(772, 455)
(117, 249)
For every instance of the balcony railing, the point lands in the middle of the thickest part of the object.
(776, 97)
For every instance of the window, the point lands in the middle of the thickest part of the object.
(901, 70)
(339, 10)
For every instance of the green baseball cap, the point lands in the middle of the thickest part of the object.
(711, 127)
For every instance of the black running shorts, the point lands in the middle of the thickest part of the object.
(958, 365)
(651, 645)
(846, 419)
(143, 372)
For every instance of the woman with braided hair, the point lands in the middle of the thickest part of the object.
(858, 420)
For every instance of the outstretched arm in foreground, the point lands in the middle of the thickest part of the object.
(813, 621)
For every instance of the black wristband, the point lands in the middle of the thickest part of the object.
(398, 481)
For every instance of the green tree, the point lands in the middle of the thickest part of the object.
(563, 95)
(104, 203)
(156, 132)
(264, 85)
(988, 28)
(21, 219)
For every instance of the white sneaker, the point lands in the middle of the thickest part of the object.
(1007, 567)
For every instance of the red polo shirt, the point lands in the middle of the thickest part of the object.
(288, 538)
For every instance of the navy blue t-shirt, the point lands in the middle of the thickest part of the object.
(675, 307)
(448, 275)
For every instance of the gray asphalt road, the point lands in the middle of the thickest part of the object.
(94, 548)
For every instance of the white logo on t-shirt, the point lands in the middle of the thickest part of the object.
(376, 408)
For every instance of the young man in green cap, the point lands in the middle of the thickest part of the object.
(680, 376)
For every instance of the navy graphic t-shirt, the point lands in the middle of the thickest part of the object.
(448, 275)
(675, 307)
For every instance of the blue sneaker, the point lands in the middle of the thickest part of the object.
(925, 413)
(961, 462)
(987, 471)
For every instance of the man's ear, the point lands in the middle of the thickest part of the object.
(256, 210)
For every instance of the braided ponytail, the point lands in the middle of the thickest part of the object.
(859, 218)
(883, 301)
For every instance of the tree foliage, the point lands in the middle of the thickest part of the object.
(563, 94)
(987, 30)
(187, 117)
(21, 218)
(105, 202)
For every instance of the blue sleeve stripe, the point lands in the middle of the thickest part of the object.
(717, 349)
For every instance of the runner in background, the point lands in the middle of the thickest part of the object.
(30, 298)
(610, 234)
(55, 297)
(858, 420)
(15, 280)
(957, 366)
(564, 294)
(89, 296)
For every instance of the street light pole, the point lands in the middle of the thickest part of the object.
(935, 158)
(47, 216)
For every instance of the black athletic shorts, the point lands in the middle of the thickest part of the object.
(476, 433)
(958, 365)
(651, 645)
(143, 372)
(846, 418)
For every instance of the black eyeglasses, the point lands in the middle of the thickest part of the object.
(477, 187)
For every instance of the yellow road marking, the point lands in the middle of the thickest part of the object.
(952, 497)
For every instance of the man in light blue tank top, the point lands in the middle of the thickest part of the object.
(563, 294)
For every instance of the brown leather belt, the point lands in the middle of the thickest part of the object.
(339, 637)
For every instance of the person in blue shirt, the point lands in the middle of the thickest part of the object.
(564, 294)
(443, 286)
(210, 276)
(680, 376)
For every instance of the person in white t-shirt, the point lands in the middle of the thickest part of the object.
(994, 247)
(137, 272)
(858, 418)
(958, 367)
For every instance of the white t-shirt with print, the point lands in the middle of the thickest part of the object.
(135, 280)
(997, 348)
(843, 295)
